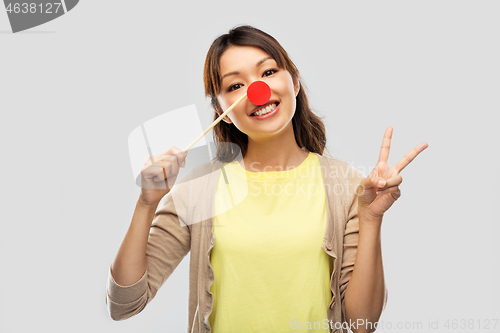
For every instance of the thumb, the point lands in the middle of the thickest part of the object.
(371, 182)
(184, 158)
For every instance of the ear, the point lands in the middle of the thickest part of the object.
(296, 86)
(218, 110)
(226, 118)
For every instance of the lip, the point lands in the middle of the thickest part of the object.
(263, 106)
(267, 115)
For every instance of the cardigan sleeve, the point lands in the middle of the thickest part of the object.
(168, 243)
(351, 232)
(351, 236)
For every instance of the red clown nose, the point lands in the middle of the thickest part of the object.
(259, 93)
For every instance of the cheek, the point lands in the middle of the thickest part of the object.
(285, 87)
(226, 101)
(291, 87)
(222, 103)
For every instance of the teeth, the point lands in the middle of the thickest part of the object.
(265, 110)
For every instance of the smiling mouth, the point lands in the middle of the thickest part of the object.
(265, 110)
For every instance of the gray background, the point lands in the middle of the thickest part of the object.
(73, 89)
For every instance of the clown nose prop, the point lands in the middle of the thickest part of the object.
(258, 93)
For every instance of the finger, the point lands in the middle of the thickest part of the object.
(393, 181)
(394, 191)
(179, 154)
(371, 182)
(163, 167)
(171, 168)
(173, 151)
(381, 189)
(151, 171)
(386, 145)
(410, 156)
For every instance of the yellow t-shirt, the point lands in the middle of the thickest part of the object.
(271, 274)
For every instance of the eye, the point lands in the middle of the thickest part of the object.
(237, 85)
(231, 88)
(272, 71)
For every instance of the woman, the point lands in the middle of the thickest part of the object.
(284, 256)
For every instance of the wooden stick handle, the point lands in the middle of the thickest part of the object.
(215, 122)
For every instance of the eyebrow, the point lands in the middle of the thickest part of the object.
(257, 65)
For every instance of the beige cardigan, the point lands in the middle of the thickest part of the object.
(172, 236)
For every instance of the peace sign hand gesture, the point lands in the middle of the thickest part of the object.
(380, 189)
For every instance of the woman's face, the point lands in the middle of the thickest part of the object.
(239, 67)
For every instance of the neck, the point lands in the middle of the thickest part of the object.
(275, 152)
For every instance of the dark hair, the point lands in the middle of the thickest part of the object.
(308, 128)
